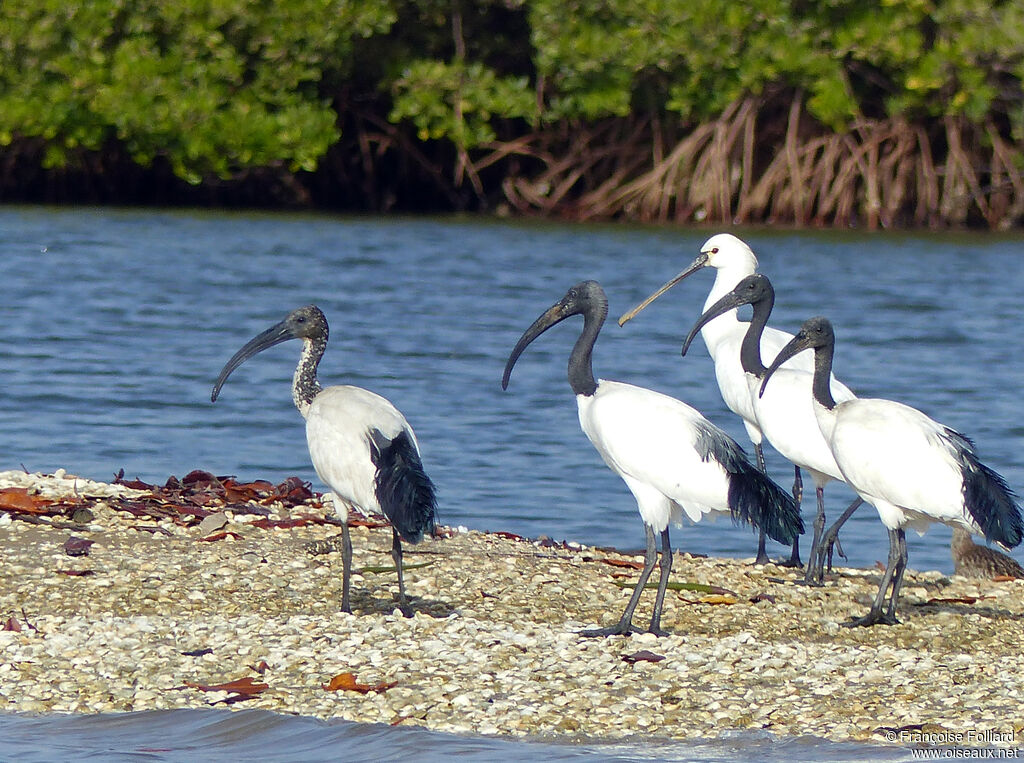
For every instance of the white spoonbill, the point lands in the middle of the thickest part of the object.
(912, 469)
(785, 413)
(733, 260)
(360, 444)
(671, 458)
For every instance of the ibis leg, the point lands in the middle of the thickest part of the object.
(897, 578)
(666, 568)
(875, 616)
(815, 574)
(798, 496)
(762, 554)
(831, 538)
(396, 554)
(346, 567)
(625, 624)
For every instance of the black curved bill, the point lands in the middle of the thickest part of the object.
(554, 314)
(273, 335)
(721, 307)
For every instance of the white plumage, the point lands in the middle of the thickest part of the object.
(785, 411)
(912, 469)
(651, 441)
(360, 445)
(337, 421)
(672, 459)
(733, 261)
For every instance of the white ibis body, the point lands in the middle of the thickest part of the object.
(785, 413)
(912, 469)
(733, 260)
(673, 460)
(361, 446)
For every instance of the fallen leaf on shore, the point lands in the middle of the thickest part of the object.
(197, 652)
(261, 667)
(135, 484)
(241, 688)
(75, 546)
(76, 573)
(508, 535)
(624, 563)
(11, 625)
(642, 656)
(19, 499)
(347, 682)
(1005, 578)
(220, 536)
(716, 598)
(958, 600)
(674, 585)
(762, 597)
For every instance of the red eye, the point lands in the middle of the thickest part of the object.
(715, 250)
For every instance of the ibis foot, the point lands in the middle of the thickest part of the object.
(872, 618)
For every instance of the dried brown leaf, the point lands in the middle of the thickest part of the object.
(624, 563)
(20, 500)
(347, 682)
(243, 686)
(11, 625)
(220, 536)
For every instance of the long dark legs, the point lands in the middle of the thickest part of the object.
(625, 624)
(666, 568)
(814, 574)
(798, 497)
(830, 539)
(346, 567)
(396, 554)
(893, 574)
(762, 554)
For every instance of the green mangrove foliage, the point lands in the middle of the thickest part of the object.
(875, 112)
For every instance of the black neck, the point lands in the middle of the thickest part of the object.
(823, 374)
(581, 368)
(750, 349)
(305, 385)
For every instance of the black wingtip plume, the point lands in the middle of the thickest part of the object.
(754, 498)
(991, 502)
(404, 491)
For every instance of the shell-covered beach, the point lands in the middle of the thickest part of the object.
(160, 611)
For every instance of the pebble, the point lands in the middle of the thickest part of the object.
(494, 646)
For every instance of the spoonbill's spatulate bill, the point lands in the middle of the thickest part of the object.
(785, 413)
(733, 260)
(360, 444)
(912, 469)
(673, 460)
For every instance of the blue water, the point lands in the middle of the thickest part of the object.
(198, 736)
(116, 322)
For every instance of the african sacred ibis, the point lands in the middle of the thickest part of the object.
(672, 459)
(785, 413)
(361, 446)
(733, 260)
(912, 469)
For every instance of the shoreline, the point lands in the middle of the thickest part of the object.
(153, 617)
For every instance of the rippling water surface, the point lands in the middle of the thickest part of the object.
(116, 322)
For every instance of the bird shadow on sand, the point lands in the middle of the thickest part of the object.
(370, 602)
